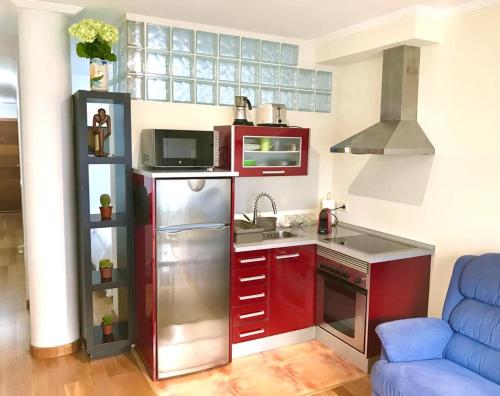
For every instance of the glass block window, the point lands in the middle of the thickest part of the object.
(205, 92)
(228, 70)
(206, 43)
(167, 63)
(289, 54)
(249, 72)
(183, 91)
(270, 52)
(182, 40)
(157, 63)
(250, 49)
(182, 65)
(157, 89)
(229, 46)
(206, 68)
(158, 37)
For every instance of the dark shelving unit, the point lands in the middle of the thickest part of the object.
(98, 239)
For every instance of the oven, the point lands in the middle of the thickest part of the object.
(341, 296)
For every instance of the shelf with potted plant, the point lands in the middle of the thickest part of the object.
(119, 279)
(103, 169)
(119, 334)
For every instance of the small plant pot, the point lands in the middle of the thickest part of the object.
(106, 212)
(106, 274)
(107, 330)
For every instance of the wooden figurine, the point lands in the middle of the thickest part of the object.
(101, 132)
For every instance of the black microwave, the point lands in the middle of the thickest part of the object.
(174, 148)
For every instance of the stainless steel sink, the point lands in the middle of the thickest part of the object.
(277, 235)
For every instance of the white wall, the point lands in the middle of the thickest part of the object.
(290, 193)
(456, 207)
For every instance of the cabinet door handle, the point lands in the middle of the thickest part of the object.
(252, 296)
(252, 278)
(285, 256)
(252, 260)
(276, 172)
(251, 333)
(251, 315)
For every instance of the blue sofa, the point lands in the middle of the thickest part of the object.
(458, 355)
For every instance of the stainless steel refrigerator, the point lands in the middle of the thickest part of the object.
(192, 259)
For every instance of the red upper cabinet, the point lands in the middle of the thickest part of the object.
(269, 151)
(292, 288)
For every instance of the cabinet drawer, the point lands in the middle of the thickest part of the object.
(250, 331)
(290, 253)
(250, 277)
(258, 258)
(250, 313)
(250, 295)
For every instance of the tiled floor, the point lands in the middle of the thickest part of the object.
(301, 369)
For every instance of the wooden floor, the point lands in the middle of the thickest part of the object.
(75, 375)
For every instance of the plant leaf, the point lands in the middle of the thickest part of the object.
(95, 79)
(111, 57)
(81, 50)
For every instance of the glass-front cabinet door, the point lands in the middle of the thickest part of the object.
(268, 151)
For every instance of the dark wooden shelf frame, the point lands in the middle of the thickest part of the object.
(123, 277)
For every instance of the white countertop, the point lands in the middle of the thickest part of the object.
(183, 174)
(309, 236)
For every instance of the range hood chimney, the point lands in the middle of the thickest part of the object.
(398, 131)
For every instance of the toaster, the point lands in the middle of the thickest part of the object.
(271, 114)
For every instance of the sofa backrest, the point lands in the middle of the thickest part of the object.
(472, 308)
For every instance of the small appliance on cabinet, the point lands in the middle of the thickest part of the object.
(263, 150)
(172, 148)
(183, 264)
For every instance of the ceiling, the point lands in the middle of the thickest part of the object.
(302, 19)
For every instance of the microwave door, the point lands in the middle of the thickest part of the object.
(192, 201)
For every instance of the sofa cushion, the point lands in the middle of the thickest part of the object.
(477, 320)
(474, 356)
(437, 377)
(480, 279)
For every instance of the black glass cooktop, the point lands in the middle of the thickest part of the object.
(369, 244)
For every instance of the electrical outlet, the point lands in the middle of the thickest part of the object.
(340, 203)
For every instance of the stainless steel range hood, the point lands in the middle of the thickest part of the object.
(398, 131)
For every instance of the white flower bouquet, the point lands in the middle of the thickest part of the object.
(96, 39)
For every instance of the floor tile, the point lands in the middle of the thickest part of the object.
(320, 371)
(272, 380)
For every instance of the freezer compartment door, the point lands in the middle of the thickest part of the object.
(192, 300)
(192, 201)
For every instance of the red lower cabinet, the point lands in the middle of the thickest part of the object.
(273, 292)
(292, 288)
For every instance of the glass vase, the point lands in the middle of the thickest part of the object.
(98, 75)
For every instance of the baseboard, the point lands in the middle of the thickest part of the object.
(53, 352)
(273, 342)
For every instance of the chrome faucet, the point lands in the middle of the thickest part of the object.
(256, 205)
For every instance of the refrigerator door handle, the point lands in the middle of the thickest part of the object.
(191, 227)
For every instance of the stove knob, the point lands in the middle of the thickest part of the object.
(347, 275)
(358, 280)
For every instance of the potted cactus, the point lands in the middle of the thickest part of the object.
(106, 270)
(105, 208)
(107, 325)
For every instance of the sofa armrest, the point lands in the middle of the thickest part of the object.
(414, 339)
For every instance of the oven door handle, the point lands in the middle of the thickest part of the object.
(356, 288)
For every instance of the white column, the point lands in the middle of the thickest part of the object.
(48, 171)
